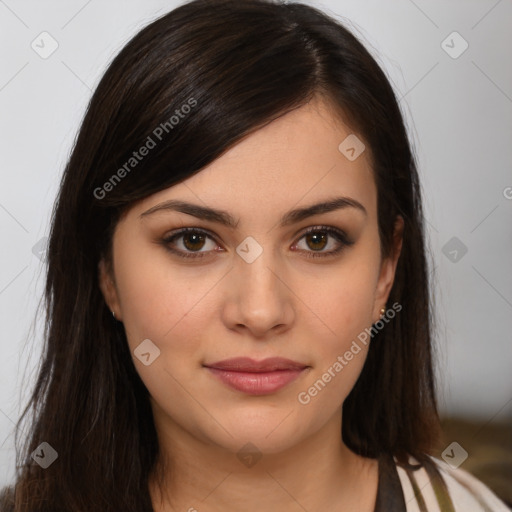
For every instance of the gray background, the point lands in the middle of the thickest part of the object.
(458, 110)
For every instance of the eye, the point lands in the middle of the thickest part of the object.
(192, 240)
(318, 237)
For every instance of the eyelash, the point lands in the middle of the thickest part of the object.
(339, 235)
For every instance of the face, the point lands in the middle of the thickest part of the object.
(263, 287)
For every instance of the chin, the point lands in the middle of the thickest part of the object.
(273, 433)
(258, 442)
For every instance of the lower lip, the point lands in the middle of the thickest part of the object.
(257, 383)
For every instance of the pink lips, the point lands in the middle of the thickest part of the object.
(257, 377)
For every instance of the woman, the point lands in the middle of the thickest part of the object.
(237, 291)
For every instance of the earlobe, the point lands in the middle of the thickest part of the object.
(108, 289)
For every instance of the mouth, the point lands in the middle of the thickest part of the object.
(257, 377)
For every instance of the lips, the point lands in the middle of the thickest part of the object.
(257, 377)
(246, 364)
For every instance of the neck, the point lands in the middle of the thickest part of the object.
(314, 475)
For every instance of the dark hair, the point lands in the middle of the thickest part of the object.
(237, 65)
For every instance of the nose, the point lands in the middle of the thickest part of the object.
(258, 298)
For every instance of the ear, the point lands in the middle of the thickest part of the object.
(108, 288)
(388, 269)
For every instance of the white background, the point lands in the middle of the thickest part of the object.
(459, 113)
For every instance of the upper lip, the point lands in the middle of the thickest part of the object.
(246, 364)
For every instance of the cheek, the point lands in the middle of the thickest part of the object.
(167, 304)
(343, 306)
(344, 300)
(172, 308)
(339, 355)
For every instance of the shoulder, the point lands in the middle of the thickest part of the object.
(7, 499)
(441, 487)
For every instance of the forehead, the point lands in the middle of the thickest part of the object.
(299, 158)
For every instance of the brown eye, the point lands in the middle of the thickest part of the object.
(192, 241)
(319, 237)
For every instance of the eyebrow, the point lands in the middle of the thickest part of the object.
(226, 219)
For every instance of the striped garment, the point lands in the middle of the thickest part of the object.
(432, 487)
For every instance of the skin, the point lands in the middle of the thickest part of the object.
(284, 304)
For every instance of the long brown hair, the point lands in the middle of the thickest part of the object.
(238, 65)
